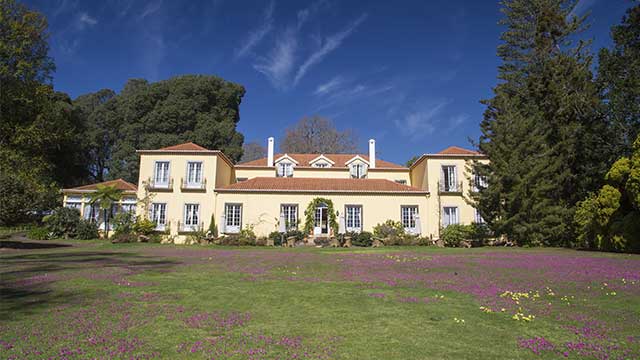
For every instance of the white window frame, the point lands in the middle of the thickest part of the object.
(353, 218)
(164, 180)
(449, 178)
(407, 217)
(477, 218)
(358, 170)
(284, 169)
(449, 217)
(191, 218)
(233, 217)
(158, 214)
(479, 182)
(290, 212)
(321, 164)
(194, 179)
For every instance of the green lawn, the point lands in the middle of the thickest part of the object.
(98, 300)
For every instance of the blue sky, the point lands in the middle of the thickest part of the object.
(408, 73)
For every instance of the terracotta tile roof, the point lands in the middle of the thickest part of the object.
(270, 184)
(189, 146)
(456, 150)
(339, 159)
(118, 183)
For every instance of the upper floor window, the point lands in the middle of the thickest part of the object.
(408, 217)
(450, 216)
(353, 218)
(321, 164)
(284, 169)
(478, 219)
(401, 181)
(358, 170)
(449, 179)
(194, 173)
(479, 182)
(239, 179)
(161, 173)
(290, 212)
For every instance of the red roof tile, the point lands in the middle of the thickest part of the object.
(118, 183)
(339, 160)
(293, 184)
(189, 146)
(455, 150)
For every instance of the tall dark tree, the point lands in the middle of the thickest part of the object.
(317, 135)
(198, 108)
(39, 135)
(619, 80)
(542, 130)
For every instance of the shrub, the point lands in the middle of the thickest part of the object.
(196, 237)
(123, 223)
(453, 235)
(363, 238)
(38, 233)
(388, 229)
(277, 236)
(261, 241)
(87, 230)
(144, 226)
(213, 229)
(124, 238)
(479, 233)
(247, 237)
(63, 222)
(155, 238)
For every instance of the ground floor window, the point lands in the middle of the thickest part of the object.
(477, 217)
(450, 216)
(191, 216)
(233, 217)
(129, 208)
(353, 218)
(159, 215)
(73, 205)
(408, 216)
(290, 212)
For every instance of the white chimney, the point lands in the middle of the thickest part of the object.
(372, 153)
(270, 151)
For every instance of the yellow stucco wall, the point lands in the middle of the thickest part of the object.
(263, 209)
(176, 198)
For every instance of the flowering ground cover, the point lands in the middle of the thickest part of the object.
(97, 300)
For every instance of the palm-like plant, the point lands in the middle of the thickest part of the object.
(105, 197)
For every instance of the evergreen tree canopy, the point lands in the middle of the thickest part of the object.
(542, 130)
(198, 108)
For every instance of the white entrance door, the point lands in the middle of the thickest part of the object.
(321, 223)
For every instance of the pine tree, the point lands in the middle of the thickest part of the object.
(542, 130)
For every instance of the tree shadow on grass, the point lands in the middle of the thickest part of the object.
(26, 279)
(24, 245)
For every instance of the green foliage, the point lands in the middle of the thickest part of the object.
(87, 230)
(310, 212)
(196, 237)
(38, 233)
(198, 108)
(412, 160)
(454, 234)
(213, 229)
(63, 222)
(618, 79)
(246, 237)
(363, 238)
(610, 219)
(542, 131)
(123, 223)
(388, 229)
(144, 226)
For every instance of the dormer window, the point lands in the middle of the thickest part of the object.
(358, 170)
(284, 169)
(321, 164)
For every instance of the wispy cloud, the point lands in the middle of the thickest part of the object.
(419, 123)
(277, 65)
(456, 121)
(305, 14)
(86, 19)
(331, 43)
(258, 34)
(151, 8)
(329, 86)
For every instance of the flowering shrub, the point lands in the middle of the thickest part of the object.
(388, 229)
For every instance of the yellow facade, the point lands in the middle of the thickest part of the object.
(184, 204)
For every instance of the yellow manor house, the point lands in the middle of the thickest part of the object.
(183, 188)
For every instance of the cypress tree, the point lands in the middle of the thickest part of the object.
(542, 130)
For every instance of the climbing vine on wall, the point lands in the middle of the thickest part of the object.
(310, 214)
